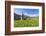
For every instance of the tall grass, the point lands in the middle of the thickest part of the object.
(26, 23)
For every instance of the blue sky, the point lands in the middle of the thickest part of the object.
(28, 12)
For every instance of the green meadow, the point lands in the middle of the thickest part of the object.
(26, 23)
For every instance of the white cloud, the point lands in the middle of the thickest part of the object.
(18, 13)
(31, 15)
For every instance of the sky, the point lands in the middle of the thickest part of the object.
(28, 12)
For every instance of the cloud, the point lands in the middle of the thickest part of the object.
(19, 13)
(31, 15)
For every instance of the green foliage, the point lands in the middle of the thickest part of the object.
(26, 23)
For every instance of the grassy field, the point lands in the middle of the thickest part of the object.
(26, 23)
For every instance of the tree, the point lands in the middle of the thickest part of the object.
(22, 16)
